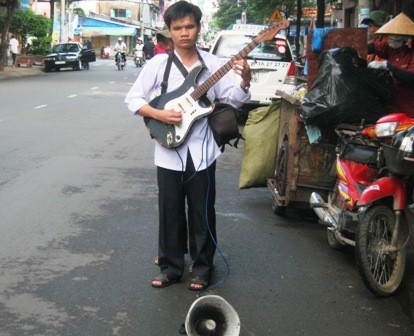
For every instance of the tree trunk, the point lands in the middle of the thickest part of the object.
(52, 15)
(11, 7)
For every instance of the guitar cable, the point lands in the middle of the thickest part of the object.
(205, 142)
(223, 280)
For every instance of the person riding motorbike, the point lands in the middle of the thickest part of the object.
(139, 53)
(121, 47)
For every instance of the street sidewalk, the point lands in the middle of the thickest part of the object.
(16, 72)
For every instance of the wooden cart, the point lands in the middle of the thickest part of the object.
(301, 167)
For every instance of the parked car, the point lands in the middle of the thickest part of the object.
(272, 62)
(68, 55)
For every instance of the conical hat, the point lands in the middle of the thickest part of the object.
(400, 25)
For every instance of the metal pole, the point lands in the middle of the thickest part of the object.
(62, 19)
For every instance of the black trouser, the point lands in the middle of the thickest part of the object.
(14, 58)
(199, 190)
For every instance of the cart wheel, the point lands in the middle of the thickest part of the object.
(281, 177)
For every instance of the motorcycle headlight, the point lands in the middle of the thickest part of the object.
(386, 129)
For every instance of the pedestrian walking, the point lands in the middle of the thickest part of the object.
(14, 48)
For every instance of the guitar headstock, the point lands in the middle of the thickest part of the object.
(270, 32)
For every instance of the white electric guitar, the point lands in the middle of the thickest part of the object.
(186, 97)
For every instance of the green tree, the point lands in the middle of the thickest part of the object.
(25, 23)
(227, 14)
(258, 11)
(41, 45)
(11, 6)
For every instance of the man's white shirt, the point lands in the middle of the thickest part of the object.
(200, 141)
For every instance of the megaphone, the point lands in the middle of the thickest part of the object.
(212, 315)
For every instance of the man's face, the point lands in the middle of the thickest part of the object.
(372, 29)
(184, 32)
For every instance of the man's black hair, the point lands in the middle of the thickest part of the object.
(180, 10)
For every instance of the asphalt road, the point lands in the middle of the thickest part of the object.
(78, 233)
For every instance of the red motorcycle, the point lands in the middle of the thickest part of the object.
(356, 207)
(384, 228)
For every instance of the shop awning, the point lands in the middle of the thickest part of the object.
(102, 31)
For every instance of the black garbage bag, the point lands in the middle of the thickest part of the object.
(345, 90)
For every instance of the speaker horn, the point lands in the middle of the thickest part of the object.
(212, 315)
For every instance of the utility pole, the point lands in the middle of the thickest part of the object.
(242, 4)
(62, 19)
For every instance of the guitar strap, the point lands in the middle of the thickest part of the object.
(172, 57)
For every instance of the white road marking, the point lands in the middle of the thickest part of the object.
(95, 88)
(111, 82)
(40, 106)
(73, 96)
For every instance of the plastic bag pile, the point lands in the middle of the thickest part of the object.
(345, 90)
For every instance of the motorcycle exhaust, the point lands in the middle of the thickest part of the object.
(319, 206)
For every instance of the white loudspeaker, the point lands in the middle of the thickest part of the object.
(212, 315)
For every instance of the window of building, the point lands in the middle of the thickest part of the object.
(120, 13)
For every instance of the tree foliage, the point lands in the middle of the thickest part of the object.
(25, 23)
(258, 11)
(227, 14)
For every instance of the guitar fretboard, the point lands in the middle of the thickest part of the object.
(204, 87)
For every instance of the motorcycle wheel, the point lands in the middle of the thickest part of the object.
(382, 273)
(280, 176)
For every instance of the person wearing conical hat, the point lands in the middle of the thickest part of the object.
(398, 55)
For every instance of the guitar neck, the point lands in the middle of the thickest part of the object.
(204, 87)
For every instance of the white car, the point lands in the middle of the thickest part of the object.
(272, 63)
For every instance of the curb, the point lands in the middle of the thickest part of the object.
(18, 72)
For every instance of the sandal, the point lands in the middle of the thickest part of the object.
(163, 281)
(156, 261)
(199, 283)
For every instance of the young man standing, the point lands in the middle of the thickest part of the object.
(186, 173)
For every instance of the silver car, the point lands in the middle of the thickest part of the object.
(272, 63)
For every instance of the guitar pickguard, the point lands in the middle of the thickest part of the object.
(191, 111)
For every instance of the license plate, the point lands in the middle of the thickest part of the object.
(60, 62)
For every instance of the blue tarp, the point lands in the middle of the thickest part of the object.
(292, 31)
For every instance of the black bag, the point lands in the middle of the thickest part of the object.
(345, 90)
(223, 122)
